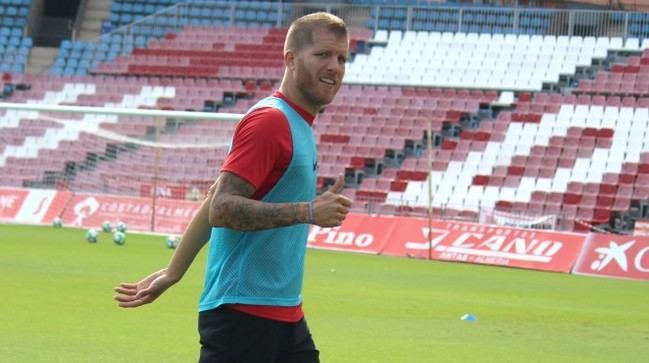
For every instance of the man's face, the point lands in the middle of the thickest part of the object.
(319, 68)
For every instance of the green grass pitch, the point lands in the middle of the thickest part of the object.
(56, 306)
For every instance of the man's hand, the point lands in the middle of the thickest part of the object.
(331, 208)
(131, 295)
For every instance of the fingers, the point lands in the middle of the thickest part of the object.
(125, 298)
(336, 217)
(133, 298)
(344, 201)
(143, 292)
(125, 291)
(128, 295)
(131, 302)
(332, 208)
(128, 285)
(338, 185)
(333, 223)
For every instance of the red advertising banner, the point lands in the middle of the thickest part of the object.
(10, 202)
(39, 203)
(359, 233)
(389, 235)
(164, 190)
(91, 210)
(453, 241)
(57, 207)
(493, 245)
(615, 256)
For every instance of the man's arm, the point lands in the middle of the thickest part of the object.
(232, 207)
(147, 290)
(195, 237)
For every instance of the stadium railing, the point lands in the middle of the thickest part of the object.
(138, 29)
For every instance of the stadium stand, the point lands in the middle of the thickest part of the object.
(519, 120)
(483, 61)
(14, 46)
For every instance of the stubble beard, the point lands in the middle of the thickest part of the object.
(309, 86)
(312, 95)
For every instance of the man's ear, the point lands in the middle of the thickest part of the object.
(289, 59)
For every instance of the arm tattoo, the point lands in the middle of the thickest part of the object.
(232, 207)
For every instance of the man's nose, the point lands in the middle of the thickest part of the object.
(332, 64)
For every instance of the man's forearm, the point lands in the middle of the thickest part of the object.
(195, 236)
(244, 214)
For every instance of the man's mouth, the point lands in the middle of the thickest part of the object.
(328, 81)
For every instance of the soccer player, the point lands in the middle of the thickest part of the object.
(258, 211)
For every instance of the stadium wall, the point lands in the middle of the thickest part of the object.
(588, 254)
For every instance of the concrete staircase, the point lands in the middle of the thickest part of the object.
(96, 12)
(40, 58)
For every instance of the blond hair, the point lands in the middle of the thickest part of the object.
(300, 33)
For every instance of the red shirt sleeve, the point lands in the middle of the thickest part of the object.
(262, 149)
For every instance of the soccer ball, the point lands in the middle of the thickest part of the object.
(172, 242)
(57, 222)
(106, 226)
(121, 227)
(119, 238)
(92, 236)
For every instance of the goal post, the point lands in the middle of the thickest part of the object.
(120, 151)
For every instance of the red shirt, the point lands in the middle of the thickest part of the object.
(262, 149)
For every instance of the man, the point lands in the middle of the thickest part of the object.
(258, 211)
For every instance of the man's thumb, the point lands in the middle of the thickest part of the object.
(338, 185)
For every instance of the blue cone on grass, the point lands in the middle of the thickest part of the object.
(469, 317)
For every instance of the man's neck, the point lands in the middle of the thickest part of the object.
(294, 97)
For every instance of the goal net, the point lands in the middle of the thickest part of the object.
(134, 152)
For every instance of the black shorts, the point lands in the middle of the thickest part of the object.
(228, 335)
